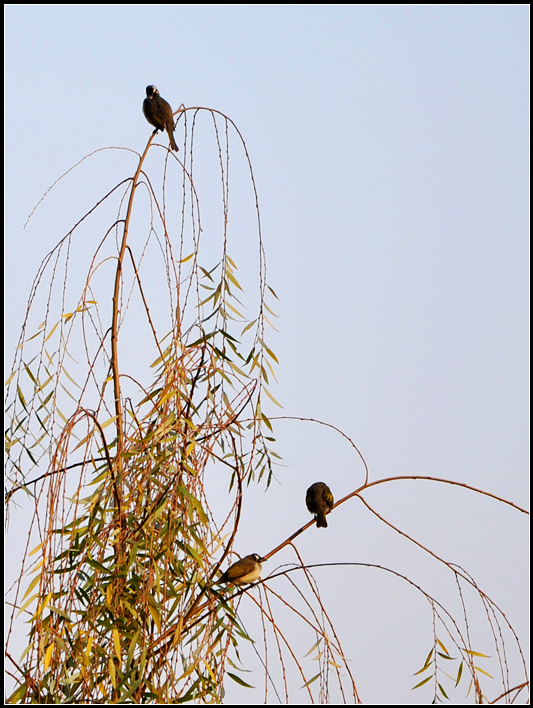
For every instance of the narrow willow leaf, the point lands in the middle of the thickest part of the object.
(96, 565)
(424, 667)
(37, 548)
(88, 648)
(483, 672)
(116, 641)
(308, 683)
(32, 585)
(48, 656)
(153, 608)
(61, 414)
(233, 279)
(43, 605)
(18, 695)
(271, 369)
(233, 309)
(315, 645)
(475, 653)
(248, 326)
(445, 656)
(28, 602)
(459, 674)
(273, 293)
(271, 325)
(51, 332)
(239, 680)
(59, 611)
(272, 397)
(28, 371)
(111, 665)
(442, 647)
(443, 691)
(271, 311)
(236, 368)
(108, 422)
(269, 351)
(69, 377)
(187, 258)
(266, 422)
(422, 682)
(21, 397)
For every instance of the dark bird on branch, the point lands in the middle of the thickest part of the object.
(243, 571)
(319, 500)
(158, 113)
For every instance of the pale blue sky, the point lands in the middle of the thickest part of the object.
(390, 150)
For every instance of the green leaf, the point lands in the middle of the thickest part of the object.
(239, 680)
(422, 682)
(58, 611)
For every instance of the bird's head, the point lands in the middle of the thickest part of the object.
(152, 91)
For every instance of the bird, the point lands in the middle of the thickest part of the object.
(319, 500)
(158, 113)
(244, 571)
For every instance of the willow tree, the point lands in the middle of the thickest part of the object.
(127, 549)
(142, 368)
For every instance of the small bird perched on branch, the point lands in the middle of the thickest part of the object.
(243, 571)
(319, 500)
(158, 113)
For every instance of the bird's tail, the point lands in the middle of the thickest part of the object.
(172, 141)
(321, 520)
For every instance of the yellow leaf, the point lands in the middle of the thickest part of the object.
(272, 397)
(32, 585)
(10, 379)
(28, 602)
(422, 682)
(442, 646)
(476, 653)
(116, 640)
(36, 549)
(48, 656)
(108, 422)
(51, 332)
(88, 648)
(250, 324)
(111, 665)
(45, 602)
(234, 310)
(233, 279)
(155, 615)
